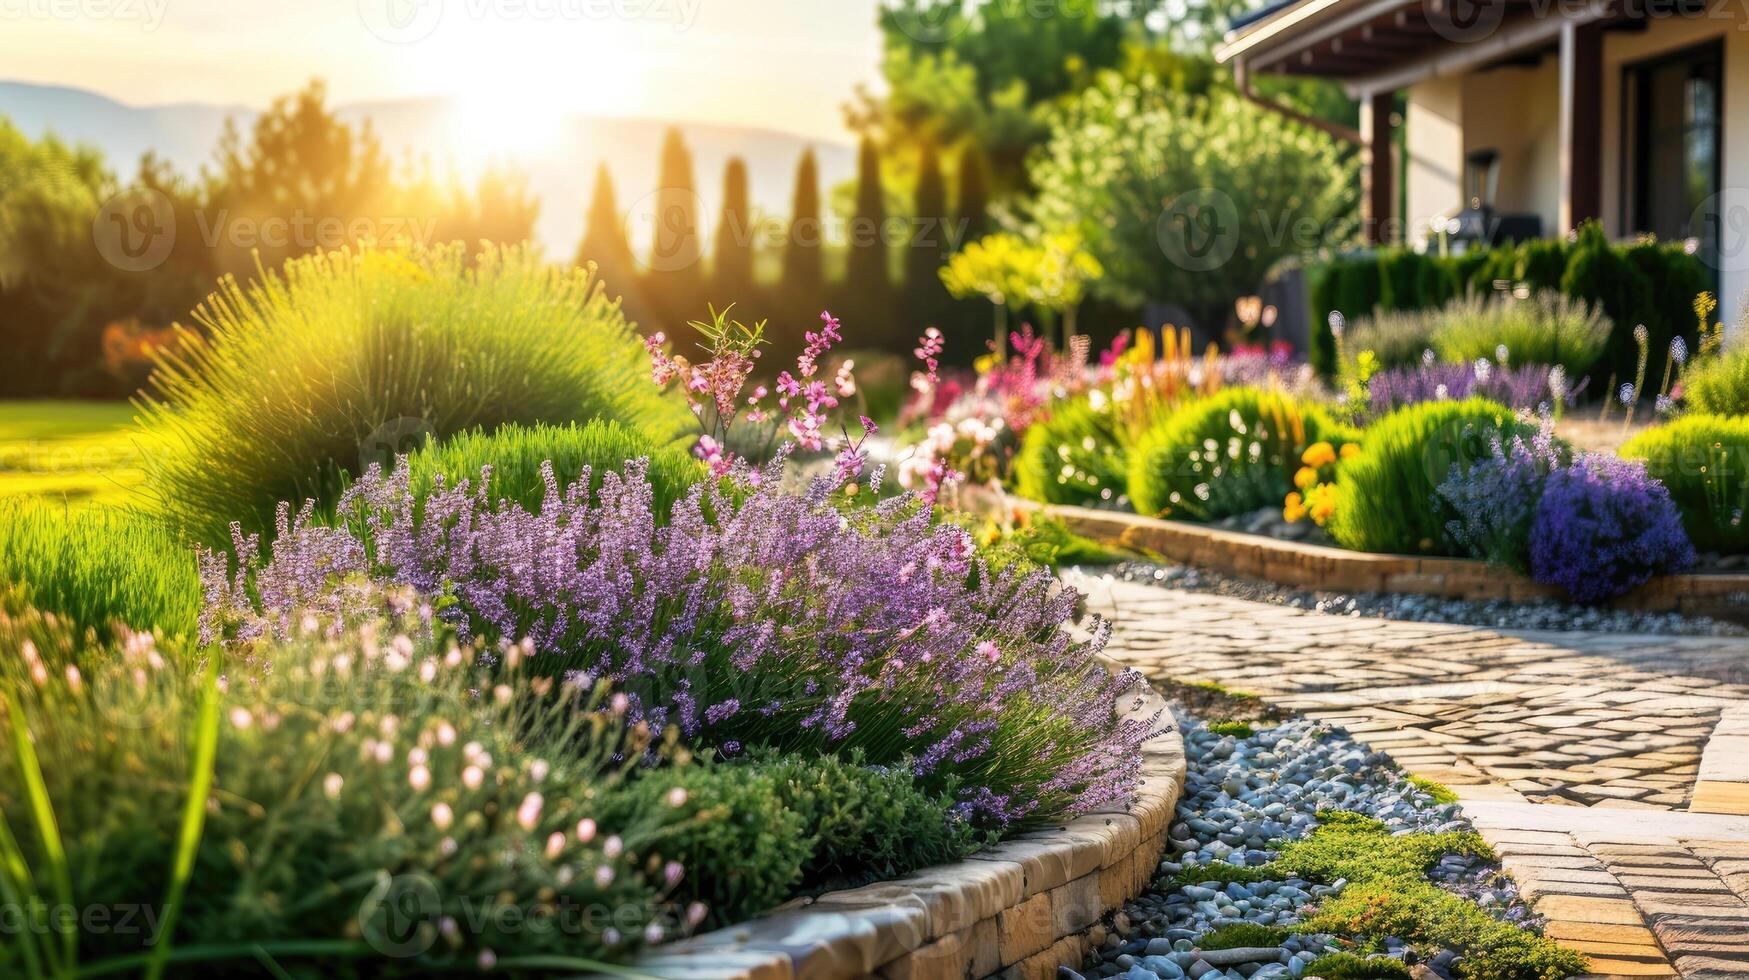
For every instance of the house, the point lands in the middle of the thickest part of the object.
(1522, 118)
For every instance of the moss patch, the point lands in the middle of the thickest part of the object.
(1440, 793)
(1348, 966)
(1242, 935)
(1237, 729)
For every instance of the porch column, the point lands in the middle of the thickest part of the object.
(1581, 123)
(1378, 184)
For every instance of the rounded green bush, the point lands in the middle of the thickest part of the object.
(347, 358)
(1703, 460)
(1073, 457)
(1720, 385)
(1230, 453)
(1388, 501)
(515, 454)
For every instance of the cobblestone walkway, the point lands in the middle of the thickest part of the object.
(1610, 771)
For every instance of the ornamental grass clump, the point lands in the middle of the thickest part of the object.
(377, 801)
(307, 375)
(1388, 494)
(516, 454)
(1233, 452)
(1547, 329)
(756, 616)
(100, 567)
(1703, 460)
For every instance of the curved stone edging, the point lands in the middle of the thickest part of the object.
(1311, 566)
(1016, 910)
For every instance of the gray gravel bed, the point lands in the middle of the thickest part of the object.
(1240, 795)
(1538, 615)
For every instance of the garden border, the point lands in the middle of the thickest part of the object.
(1297, 565)
(1017, 910)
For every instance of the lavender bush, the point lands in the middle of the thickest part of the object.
(1496, 498)
(1603, 527)
(1524, 387)
(754, 616)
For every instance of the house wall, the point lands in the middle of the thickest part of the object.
(1517, 111)
(1434, 145)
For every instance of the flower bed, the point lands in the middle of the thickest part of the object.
(534, 666)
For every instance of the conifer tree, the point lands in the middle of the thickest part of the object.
(732, 281)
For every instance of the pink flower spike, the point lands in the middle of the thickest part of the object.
(868, 425)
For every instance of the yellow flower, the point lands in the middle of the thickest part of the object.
(983, 364)
(1294, 510)
(1321, 503)
(1306, 478)
(1350, 450)
(1318, 454)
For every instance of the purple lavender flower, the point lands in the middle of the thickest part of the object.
(1527, 387)
(1603, 527)
(1496, 498)
(754, 615)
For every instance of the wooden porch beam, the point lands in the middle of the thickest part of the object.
(1581, 123)
(1379, 187)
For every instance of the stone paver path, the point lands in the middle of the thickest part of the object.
(1610, 771)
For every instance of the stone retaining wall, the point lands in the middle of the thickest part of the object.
(1016, 911)
(1297, 565)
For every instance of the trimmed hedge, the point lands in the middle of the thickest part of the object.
(1073, 457)
(1231, 453)
(1703, 460)
(1651, 283)
(1389, 500)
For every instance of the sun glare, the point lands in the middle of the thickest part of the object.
(516, 103)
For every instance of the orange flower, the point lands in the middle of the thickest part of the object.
(1306, 478)
(1350, 450)
(1318, 454)
(1294, 511)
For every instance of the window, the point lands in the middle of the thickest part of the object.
(1673, 113)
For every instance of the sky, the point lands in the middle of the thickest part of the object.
(784, 64)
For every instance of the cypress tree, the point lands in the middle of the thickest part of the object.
(675, 248)
(732, 281)
(804, 271)
(604, 243)
(933, 240)
(974, 193)
(867, 280)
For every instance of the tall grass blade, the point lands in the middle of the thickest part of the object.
(42, 811)
(193, 815)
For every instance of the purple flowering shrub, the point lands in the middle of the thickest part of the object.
(1603, 527)
(1495, 498)
(1526, 387)
(1589, 523)
(754, 616)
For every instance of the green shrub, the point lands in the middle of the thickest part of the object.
(1599, 273)
(1348, 966)
(1546, 329)
(349, 357)
(341, 824)
(1073, 457)
(1388, 501)
(870, 822)
(1237, 729)
(99, 566)
(1396, 339)
(516, 453)
(1539, 264)
(1719, 385)
(1703, 460)
(744, 847)
(1230, 453)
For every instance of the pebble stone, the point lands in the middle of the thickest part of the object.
(1241, 795)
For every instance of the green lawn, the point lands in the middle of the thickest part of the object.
(81, 452)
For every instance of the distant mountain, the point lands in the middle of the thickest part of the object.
(561, 174)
